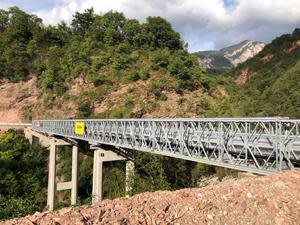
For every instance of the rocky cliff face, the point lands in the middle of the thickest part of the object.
(243, 51)
(229, 57)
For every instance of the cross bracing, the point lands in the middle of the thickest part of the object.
(260, 145)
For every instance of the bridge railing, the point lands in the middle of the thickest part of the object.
(261, 145)
(14, 125)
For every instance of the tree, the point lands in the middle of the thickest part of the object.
(19, 27)
(84, 109)
(16, 61)
(131, 30)
(160, 34)
(82, 22)
(4, 19)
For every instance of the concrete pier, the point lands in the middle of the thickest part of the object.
(53, 186)
(100, 156)
(74, 189)
(51, 176)
(129, 173)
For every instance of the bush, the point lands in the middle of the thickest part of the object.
(144, 73)
(133, 76)
(160, 59)
(84, 109)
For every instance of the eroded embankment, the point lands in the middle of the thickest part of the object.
(258, 200)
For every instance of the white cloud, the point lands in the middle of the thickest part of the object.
(202, 23)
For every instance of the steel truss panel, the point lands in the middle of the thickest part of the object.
(260, 145)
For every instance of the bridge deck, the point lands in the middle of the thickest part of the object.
(14, 125)
(260, 145)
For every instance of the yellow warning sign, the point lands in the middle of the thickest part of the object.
(79, 128)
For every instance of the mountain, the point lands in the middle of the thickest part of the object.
(229, 57)
(267, 84)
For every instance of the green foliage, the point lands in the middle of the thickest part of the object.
(144, 73)
(272, 87)
(222, 172)
(180, 64)
(150, 174)
(201, 169)
(113, 180)
(106, 48)
(160, 58)
(82, 21)
(12, 145)
(17, 29)
(84, 109)
(159, 34)
(16, 207)
(22, 172)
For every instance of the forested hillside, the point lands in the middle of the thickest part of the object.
(143, 64)
(266, 85)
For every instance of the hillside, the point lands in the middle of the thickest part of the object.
(229, 57)
(271, 199)
(267, 84)
(100, 66)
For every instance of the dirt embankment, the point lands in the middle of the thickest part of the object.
(23, 101)
(258, 200)
(15, 97)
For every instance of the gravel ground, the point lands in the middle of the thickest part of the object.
(253, 200)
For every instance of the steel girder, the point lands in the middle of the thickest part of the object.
(259, 145)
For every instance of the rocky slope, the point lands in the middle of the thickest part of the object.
(253, 200)
(22, 101)
(15, 97)
(229, 57)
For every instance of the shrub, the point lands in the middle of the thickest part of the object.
(144, 73)
(84, 109)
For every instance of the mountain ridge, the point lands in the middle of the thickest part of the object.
(267, 84)
(228, 57)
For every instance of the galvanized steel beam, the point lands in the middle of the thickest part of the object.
(259, 145)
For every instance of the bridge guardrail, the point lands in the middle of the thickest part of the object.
(261, 145)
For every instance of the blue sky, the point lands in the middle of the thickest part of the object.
(31, 5)
(204, 24)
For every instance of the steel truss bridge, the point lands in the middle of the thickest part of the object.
(258, 145)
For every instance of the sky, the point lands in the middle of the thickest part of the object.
(204, 24)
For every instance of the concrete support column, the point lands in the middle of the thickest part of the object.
(51, 178)
(74, 189)
(97, 176)
(28, 134)
(52, 185)
(100, 156)
(129, 173)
